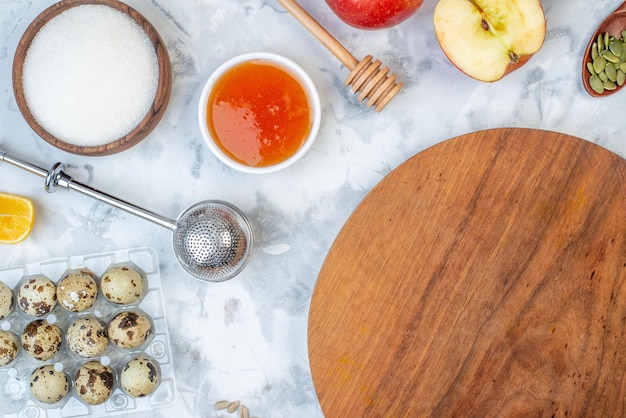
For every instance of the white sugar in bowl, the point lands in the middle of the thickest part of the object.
(91, 77)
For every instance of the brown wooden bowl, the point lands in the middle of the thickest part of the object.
(614, 24)
(147, 124)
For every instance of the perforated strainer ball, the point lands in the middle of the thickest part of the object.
(212, 240)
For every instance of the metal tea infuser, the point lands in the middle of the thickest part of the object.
(212, 239)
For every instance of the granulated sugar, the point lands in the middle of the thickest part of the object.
(90, 75)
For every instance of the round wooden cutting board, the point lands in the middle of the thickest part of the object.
(484, 277)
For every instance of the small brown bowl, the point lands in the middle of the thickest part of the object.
(157, 108)
(614, 24)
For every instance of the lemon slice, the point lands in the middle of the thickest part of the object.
(17, 216)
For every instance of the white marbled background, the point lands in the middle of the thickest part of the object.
(247, 338)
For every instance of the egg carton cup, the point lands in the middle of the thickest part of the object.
(15, 398)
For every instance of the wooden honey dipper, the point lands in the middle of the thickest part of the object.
(366, 77)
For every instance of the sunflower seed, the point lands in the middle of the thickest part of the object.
(233, 407)
(222, 405)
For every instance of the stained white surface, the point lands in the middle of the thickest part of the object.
(246, 338)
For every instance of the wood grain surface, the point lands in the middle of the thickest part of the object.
(152, 117)
(484, 277)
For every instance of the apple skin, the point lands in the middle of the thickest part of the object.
(374, 14)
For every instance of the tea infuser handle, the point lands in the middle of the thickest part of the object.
(57, 178)
(23, 165)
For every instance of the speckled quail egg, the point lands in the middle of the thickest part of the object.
(77, 290)
(7, 301)
(9, 347)
(36, 295)
(87, 337)
(122, 284)
(41, 340)
(48, 385)
(140, 376)
(129, 329)
(94, 382)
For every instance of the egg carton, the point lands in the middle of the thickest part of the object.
(15, 398)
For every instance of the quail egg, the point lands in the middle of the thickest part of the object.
(36, 295)
(41, 340)
(48, 385)
(122, 284)
(94, 382)
(7, 301)
(129, 329)
(77, 290)
(140, 376)
(87, 337)
(9, 347)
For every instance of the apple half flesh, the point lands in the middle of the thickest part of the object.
(487, 39)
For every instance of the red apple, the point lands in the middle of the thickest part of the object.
(374, 14)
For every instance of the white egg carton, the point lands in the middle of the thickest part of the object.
(15, 398)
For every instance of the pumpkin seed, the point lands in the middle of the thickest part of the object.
(244, 412)
(609, 56)
(607, 64)
(596, 84)
(609, 85)
(611, 73)
(598, 64)
(600, 43)
(615, 47)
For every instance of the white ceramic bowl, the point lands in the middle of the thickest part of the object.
(293, 69)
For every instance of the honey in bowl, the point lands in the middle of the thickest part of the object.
(258, 113)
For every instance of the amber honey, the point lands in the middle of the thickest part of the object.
(258, 113)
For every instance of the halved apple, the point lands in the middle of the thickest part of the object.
(487, 39)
